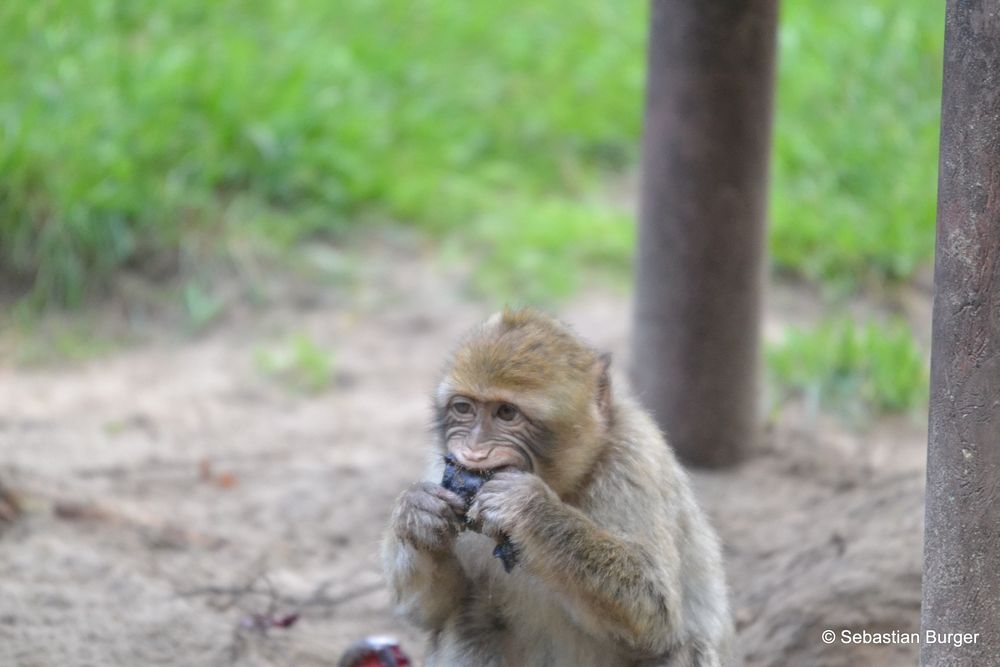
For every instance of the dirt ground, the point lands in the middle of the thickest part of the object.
(176, 499)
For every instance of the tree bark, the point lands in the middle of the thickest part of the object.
(702, 222)
(961, 584)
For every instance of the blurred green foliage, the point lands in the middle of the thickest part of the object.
(297, 362)
(200, 306)
(69, 341)
(535, 249)
(852, 368)
(128, 127)
(855, 162)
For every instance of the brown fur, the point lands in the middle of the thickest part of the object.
(618, 565)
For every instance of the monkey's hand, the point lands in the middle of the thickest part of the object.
(428, 517)
(506, 500)
(425, 578)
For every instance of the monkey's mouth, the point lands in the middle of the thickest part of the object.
(496, 458)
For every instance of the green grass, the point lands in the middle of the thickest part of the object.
(855, 160)
(298, 363)
(127, 127)
(134, 130)
(527, 255)
(859, 370)
(56, 340)
(200, 307)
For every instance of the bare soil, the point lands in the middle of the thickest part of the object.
(178, 504)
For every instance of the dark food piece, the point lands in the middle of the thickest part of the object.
(462, 481)
(466, 483)
(507, 552)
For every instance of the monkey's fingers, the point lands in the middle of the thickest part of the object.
(454, 500)
(509, 474)
(432, 498)
(512, 484)
(485, 517)
(426, 530)
(473, 516)
(492, 530)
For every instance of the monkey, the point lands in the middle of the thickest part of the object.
(616, 564)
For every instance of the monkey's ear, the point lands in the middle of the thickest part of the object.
(603, 375)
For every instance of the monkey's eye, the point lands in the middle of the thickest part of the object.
(462, 406)
(507, 412)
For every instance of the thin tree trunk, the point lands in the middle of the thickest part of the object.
(961, 585)
(702, 222)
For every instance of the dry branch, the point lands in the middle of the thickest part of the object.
(269, 609)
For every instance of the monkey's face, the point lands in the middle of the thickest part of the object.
(491, 434)
(522, 391)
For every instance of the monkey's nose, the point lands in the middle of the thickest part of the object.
(472, 456)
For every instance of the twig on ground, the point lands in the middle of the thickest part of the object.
(279, 611)
(318, 598)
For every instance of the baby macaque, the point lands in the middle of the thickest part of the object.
(603, 558)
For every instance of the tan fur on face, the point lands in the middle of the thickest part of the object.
(521, 351)
(527, 358)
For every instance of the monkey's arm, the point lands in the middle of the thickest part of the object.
(424, 575)
(611, 588)
(424, 586)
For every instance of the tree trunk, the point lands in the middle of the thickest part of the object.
(961, 585)
(702, 222)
